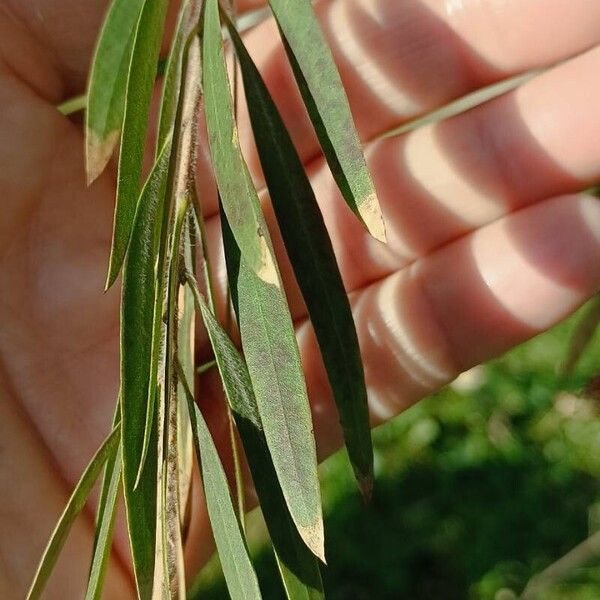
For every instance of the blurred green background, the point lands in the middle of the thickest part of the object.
(479, 487)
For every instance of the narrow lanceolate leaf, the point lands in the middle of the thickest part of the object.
(239, 198)
(241, 579)
(139, 423)
(298, 566)
(139, 300)
(140, 83)
(188, 19)
(186, 354)
(73, 508)
(104, 528)
(311, 254)
(273, 360)
(327, 104)
(108, 84)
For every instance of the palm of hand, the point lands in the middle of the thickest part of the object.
(485, 249)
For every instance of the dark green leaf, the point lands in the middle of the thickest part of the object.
(142, 299)
(74, 507)
(299, 568)
(233, 552)
(137, 401)
(273, 360)
(108, 84)
(238, 195)
(311, 255)
(140, 84)
(324, 96)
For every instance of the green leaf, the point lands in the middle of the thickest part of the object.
(239, 573)
(137, 399)
(108, 84)
(75, 505)
(313, 260)
(273, 360)
(140, 84)
(239, 198)
(187, 21)
(140, 294)
(299, 568)
(327, 104)
(104, 528)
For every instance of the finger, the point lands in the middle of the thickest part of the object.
(464, 304)
(445, 180)
(401, 59)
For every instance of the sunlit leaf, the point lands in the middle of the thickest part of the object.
(241, 579)
(311, 255)
(325, 99)
(75, 505)
(140, 83)
(273, 360)
(299, 568)
(239, 198)
(108, 84)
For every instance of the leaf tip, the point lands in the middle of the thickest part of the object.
(98, 151)
(370, 213)
(365, 485)
(314, 538)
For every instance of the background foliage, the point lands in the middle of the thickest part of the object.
(478, 488)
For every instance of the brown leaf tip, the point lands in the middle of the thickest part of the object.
(370, 213)
(98, 152)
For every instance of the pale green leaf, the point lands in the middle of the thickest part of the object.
(241, 579)
(104, 528)
(324, 96)
(239, 198)
(108, 84)
(75, 505)
(140, 84)
(273, 360)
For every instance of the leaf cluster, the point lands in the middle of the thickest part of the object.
(159, 248)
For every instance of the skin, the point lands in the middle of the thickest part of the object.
(490, 239)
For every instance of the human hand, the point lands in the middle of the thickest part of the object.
(489, 242)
